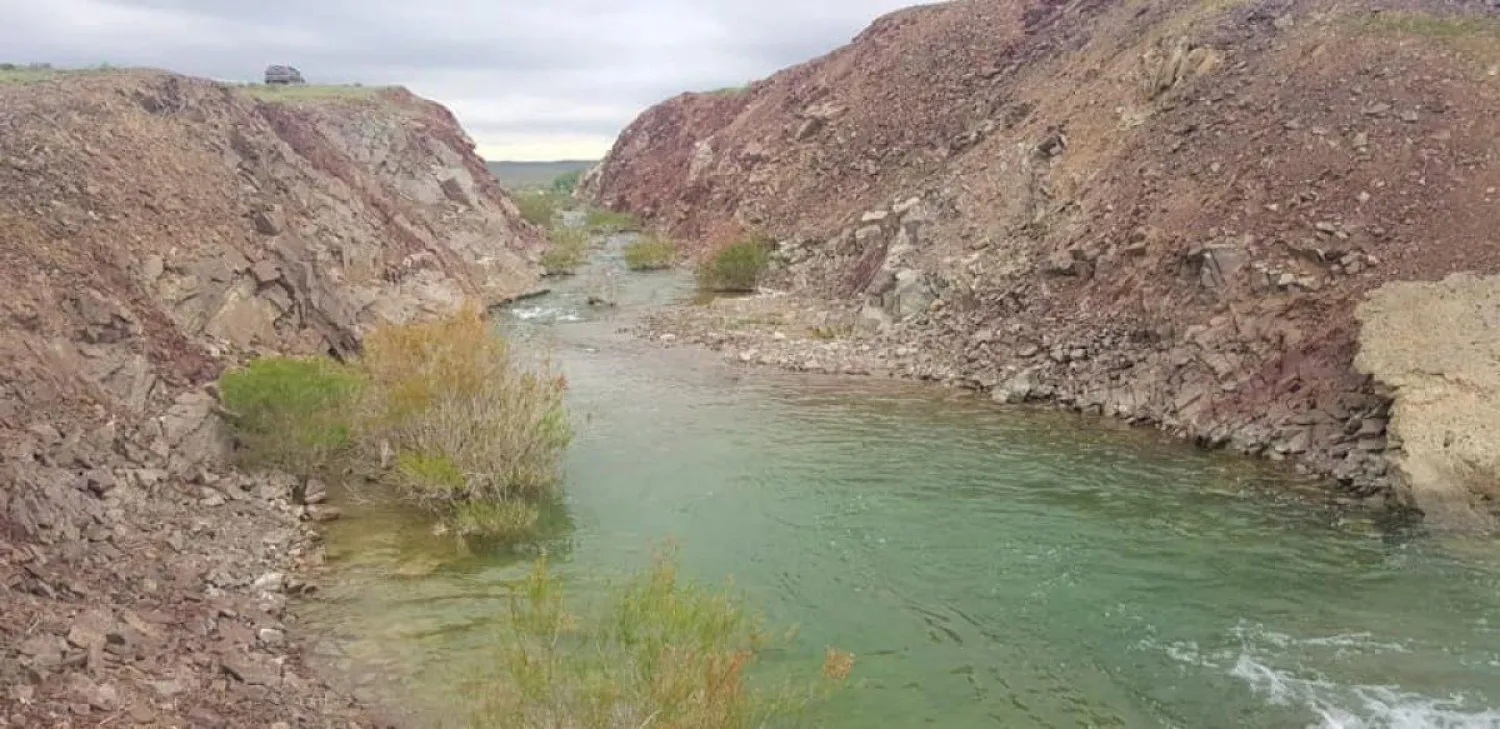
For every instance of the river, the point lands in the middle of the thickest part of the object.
(988, 566)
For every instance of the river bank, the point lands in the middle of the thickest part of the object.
(160, 599)
(801, 334)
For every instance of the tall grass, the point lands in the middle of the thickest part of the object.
(569, 249)
(540, 208)
(311, 93)
(473, 435)
(476, 435)
(291, 413)
(20, 74)
(1432, 25)
(664, 653)
(737, 267)
(650, 253)
(608, 221)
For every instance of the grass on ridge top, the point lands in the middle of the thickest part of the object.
(1436, 26)
(18, 74)
(308, 93)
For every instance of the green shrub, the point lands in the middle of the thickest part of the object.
(565, 183)
(830, 332)
(477, 434)
(609, 221)
(569, 250)
(537, 208)
(738, 267)
(665, 653)
(290, 413)
(506, 520)
(650, 253)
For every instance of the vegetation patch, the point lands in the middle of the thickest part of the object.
(515, 176)
(728, 90)
(565, 183)
(18, 74)
(310, 93)
(609, 221)
(830, 332)
(737, 267)
(1433, 26)
(650, 253)
(459, 426)
(664, 652)
(538, 208)
(293, 414)
(569, 249)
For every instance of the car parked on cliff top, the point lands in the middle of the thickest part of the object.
(278, 75)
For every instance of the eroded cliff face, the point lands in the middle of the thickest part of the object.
(155, 229)
(158, 226)
(1164, 212)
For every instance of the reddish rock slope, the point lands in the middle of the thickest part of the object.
(1161, 211)
(154, 229)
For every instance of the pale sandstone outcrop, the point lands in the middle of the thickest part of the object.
(1437, 345)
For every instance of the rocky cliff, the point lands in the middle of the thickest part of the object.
(1165, 212)
(155, 228)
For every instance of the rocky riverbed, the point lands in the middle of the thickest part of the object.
(155, 596)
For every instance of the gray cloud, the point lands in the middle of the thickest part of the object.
(526, 78)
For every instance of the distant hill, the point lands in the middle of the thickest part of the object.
(515, 175)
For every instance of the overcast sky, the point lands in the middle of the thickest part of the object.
(545, 79)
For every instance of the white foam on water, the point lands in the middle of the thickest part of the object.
(1335, 705)
(1361, 707)
(543, 312)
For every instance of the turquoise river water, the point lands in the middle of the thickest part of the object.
(988, 566)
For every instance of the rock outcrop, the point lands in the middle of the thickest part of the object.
(1437, 344)
(1163, 212)
(154, 229)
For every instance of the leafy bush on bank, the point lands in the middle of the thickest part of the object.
(738, 267)
(293, 414)
(600, 220)
(540, 208)
(475, 437)
(650, 253)
(569, 249)
(567, 182)
(665, 653)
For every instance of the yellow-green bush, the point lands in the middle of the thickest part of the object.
(569, 250)
(737, 267)
(608, 221)
(649, 253)
(470, 425)
(478, 437)
(291, 413)
(538, 208)
(665, 653)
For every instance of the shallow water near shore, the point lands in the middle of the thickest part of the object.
(988, 566)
